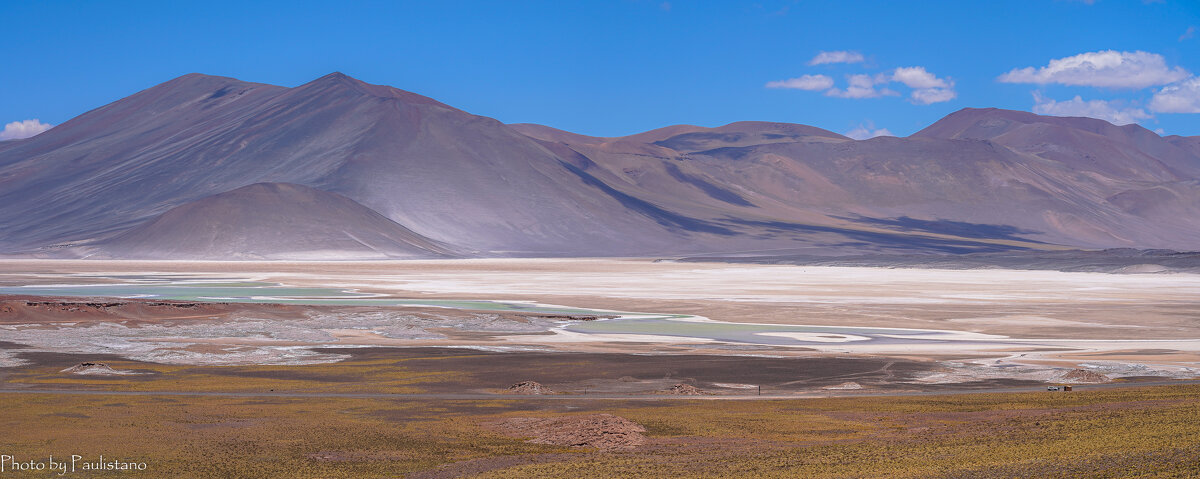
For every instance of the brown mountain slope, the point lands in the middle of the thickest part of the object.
(1129, 152)
(1190, 144)
(979, 173)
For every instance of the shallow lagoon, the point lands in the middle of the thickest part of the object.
(770, 334)
(233, 290)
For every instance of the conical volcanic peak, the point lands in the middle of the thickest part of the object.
(339, 81)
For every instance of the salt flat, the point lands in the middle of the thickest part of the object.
(1040, 317)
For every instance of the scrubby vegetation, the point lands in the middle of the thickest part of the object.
(1149, 432)
(362, 375)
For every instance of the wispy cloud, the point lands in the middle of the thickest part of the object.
(1182, 97)
(839, 56)
(867, 130)
(1189, 33)
(1109, 111)
(23, 129)
(804, 82)
(1108, 68)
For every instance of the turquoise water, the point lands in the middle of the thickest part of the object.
(233, 291)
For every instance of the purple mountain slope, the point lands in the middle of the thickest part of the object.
(446, 174)
(401, 175)
(270, 221)
(1067, 181)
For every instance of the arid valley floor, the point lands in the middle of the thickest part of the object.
(643, 367)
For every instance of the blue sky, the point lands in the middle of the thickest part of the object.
(624, 66)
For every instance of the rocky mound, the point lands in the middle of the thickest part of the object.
(845, 386)
(272, 221)
(601, 431)
(93, 369)
(684, 390)
(529, 387)
(1084, 376)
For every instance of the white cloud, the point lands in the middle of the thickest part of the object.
(926, 96)
(1108, 68)
(1182, 97)
(1100, 109)
(927, 87)
(1189, 33)
(867, 130)
(836, 57)
(918, 77)
(862, 86)
(804, 82)
(23, 129)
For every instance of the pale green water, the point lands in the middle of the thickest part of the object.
(180, 289)
(233, 290)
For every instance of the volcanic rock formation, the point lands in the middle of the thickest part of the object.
(684, 390)
(528, 387)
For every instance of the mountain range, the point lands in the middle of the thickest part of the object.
(206, 167)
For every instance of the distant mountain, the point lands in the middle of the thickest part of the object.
(455, 177)
(352, 170)
(1128, 152)
(1190, 144)
(977, 174)
(268, 221)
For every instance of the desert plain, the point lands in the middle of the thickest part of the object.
(595, 367)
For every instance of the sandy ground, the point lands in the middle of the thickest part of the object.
(1104, 320)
